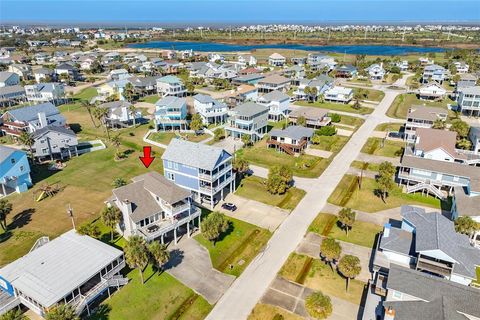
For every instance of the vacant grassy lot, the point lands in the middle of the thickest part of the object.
(254, 188)
(365, 165)
(331, 143)
(371, 94)
(362, 233)
(302, 166)
(317, 275)
(335, 107)
(150, 99)
(167, 136)
(354, 122)
(390, 148)
(236, 247)
(268, 312)
(348, 195)
(403, 102)
(389, 127)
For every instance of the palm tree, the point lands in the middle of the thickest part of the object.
(330, 250)
(350, 267)
(15, 314)
(5, 209)
(133, 111)
(129, 92)
(136, 254)
(346, 217)
(160, 254)
(116, 142)
(62, 312)
(101, 114)
(88, 106)
(110, 217)
(318, 305)
(27, 140)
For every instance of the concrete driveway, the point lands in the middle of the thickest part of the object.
(254, 212)
(190, 264)
(229, 144)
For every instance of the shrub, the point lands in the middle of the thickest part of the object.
(326, 131)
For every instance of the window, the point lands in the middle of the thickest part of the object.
(169, 164)
(397, 295)
(170, 176)
(175, 166)
(22, 168)
(13, 161)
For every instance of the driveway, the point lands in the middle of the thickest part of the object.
(318, 152)
(229, 144)
(254, 212)
(291, 296)
(310, 246)
(191, 265)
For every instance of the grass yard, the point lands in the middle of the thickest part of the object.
(363, 81)
(317, 275)
(403, 102)
(348, 195)
(390, 149)
(150, 99)
(167, 136)
(86, 94)
(302, 166)
(362, 233)
(389, 127)
(161, 297)
(331, 143)
(372, 94)
(350, 121)
(236, 247)
(335, 107)
(254, 188)
(365, 165)
(268, 312)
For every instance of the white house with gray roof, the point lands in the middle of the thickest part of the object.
(211, 110)
(277, 60)
(171, 113)
(54, 142)
(278, 104)
(119, 113)
(71, 269)
(171, 86)
(204, 170)
(154, 207)
(249, 119)
(469, 100)
(291, 140)
(45, 92)
(425, 242)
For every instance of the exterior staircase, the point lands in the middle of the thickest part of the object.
(40, 242)
(7, 302)
(428, 187)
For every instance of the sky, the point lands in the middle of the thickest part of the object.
(238, 11)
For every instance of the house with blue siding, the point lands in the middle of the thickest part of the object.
(171, 114)
(204, 170)
(14, 171)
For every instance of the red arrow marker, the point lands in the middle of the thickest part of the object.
(147, 159)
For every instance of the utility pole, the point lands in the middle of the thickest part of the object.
(70, 213)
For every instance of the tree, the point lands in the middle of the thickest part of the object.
(318, 305)
(460, 127)
(86, 105)
(5, 209)
(330, 251)
(15, 314)
(101, 114)
(89, 229)
(350, 267)
(218, 134)
(133, 112)
(27, 140)
(111, 216)
(301, 121)
(335, 117)
(326, 131)
(241, 166)
(279, 179)
(62, 312)
(466, 225)
(384, 179)
(190, 87)
(246, 139)
(346, 217)
(196, 124)
(464, 144)
(213, 226)
(439, 124)
(159, 253)
(136, 254)
(119, 182)
(129, 92)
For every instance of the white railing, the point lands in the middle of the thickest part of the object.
(214, 177)
(40, 242)
(428, 187)
(168, 226)
(9, 305)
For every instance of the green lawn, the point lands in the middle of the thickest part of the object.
(350, 121)
(403, 102)
(317, 275)
(372, 94)
(390, 148)
(302, 166)
(348, 195)
(167, 136)
(150, 99)
(86, 94)
(254, 188)
(389, 127)
(364, 81)
(161, 297)
(236, 247)
(362, 233)
(365, 165)
(335, 107)
(269, 312)
(331, 143)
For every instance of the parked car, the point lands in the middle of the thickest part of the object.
(229, 206)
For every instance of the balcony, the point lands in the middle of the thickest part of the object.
(210, 177)
(212, 190)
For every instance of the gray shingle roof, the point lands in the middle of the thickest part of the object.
(193, 154)
(294, 132)
(115, 104)
(5, 152)
(249, 109)
(57, 129)
(203, 98)
(5, 75)
(425, 113)
(458, 298)
(30, 113)
(275, 95)
(466, 205)
(171, 101)
(139, 193)
(399, 241)
(11, 89)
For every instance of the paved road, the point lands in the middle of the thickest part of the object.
(247, 290)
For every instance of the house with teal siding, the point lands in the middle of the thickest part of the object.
(171, 114)
(204, 170)
(14, 171)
